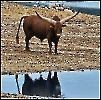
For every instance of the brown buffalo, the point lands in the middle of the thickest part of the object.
(42, 28)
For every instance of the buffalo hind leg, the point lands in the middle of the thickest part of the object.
(28, 37)
(27, 44)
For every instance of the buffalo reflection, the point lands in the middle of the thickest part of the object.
(41, 87)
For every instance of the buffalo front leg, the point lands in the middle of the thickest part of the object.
(50, 46)
(56, 48)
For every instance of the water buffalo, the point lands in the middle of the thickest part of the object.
(42, 28)
(41, 87)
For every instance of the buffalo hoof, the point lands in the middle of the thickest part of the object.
(50, 53)
(27, 50)
(56, 53)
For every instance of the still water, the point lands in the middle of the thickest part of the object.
(74, 84)
(85, 4)
(87, 7)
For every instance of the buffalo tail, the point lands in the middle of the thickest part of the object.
(17, 37)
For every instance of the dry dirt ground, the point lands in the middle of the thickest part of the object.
(78, 48)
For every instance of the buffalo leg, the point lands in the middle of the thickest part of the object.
(50, 46)
(27, 44)
(56, 48)
(28, 37)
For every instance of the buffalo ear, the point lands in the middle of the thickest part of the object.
(63, 25)
(51, 26)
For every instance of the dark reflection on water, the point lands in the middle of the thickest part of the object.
(65, 84)
(41, 87)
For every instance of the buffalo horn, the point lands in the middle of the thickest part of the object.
(68, 18)
(48, 19)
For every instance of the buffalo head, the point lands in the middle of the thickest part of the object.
(57, 23)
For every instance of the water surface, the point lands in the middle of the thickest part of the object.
(74, 84)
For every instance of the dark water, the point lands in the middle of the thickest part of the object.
(88, 7)
(74, 84)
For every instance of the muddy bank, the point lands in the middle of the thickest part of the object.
(78, 47)
(8, 95)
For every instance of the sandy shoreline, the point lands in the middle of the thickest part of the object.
(78, 47)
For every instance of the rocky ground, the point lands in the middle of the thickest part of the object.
(78, 48)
